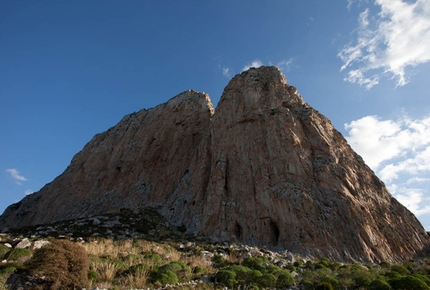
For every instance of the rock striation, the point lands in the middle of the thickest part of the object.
(262, 169)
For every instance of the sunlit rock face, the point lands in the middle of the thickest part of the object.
(263, 169)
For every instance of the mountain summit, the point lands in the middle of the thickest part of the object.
(263, 169)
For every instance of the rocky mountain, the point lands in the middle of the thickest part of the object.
(262, 169)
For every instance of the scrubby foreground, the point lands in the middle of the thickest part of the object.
(100, 263)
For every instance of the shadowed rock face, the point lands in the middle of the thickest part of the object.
(263, 169)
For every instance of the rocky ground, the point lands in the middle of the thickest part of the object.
(133, 249)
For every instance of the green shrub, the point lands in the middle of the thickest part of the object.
(92, 276)
(131, 257)
(402, 270)
(255, 263)
(332, 280)
(63, 263)
(181, 271)
(379, 284)
(385, 265)
(265, 281)
(409, 283)
(3, 250)
(226, 278)
(284, 279)
(139, 268)
(426, 279)
(219, 260)
(409, 265)
(392, 275)
(17, 254)
(242, 273)
(200, 270)
(320, 266)
(362, 281)
(298, 264)
(167, 277)
(7, 269)
(119, 264)
(154, 258)
(336, 265)
(324, 286)
(307, 284)
(325, 262)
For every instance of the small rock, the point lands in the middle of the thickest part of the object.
(25, 243)
(190, 244)
(39, 244)
(96, 222)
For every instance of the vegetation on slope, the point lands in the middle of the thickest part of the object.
(131, 264)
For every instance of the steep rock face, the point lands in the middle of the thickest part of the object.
(137, 163)
(282, 176)
(265, 169)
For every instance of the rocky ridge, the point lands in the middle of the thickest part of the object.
(262, 169)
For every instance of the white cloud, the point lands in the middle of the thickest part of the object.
(285, 65)
(396, 38)
(226, 72)
(399, 152)
(255, 63)
(412, 198)
(16, 175)
(382, 140)
(415, 180)
(28, 192)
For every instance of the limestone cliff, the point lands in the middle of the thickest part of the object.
(263, 169)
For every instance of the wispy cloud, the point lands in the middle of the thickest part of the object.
(284, 65)
(255, 63)
(14, 173)
(28, 192)
(388, 42)
(399, 152)
(226, 72)
(412, 198)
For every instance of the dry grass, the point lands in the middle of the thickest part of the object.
(233, 259)
(201, 261)
(103, 285)
(137, 280)
(107, 271)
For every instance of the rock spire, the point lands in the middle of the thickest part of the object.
(263, 169)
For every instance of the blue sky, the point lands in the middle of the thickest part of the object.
(72, 69)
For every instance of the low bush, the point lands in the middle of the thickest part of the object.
(7, 270)
(284, 279)
(410, 283)
(181, 271)
(153, 258)
(402, 270)
(139, 268)
(3, 250)
(167, 277)
(226, 278)
(17, 255)
(379, 284)
(63, 264)
(324, 286)
(92, 276)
